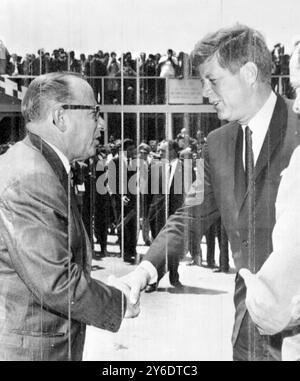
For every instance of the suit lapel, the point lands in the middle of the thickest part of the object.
(51, 157)
(57, 166)
(274, 136)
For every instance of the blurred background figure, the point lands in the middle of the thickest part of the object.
(168, 65)
(143, 168)
(4, 57)
(120, 167)
(102, 201)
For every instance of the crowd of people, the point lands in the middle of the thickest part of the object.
(108, 64)
(101, 198)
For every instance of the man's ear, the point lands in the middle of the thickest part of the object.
(59, 118)
(250, 73)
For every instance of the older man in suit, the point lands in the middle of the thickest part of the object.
(243, 163)
(47, 294)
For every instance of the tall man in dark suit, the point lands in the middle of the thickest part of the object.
(47, 294)
(122, 173)
(168, 199)
(243, 163)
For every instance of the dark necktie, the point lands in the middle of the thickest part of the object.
(249, 158)
(250, 201)
(240, 184)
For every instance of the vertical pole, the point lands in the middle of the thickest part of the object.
(138, 85)
(138, 196)
(105, 116)
(121, 158)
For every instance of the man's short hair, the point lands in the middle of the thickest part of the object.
(234, 47)
(45, 91)
(127, 143)
(172, 145)
(144, 148)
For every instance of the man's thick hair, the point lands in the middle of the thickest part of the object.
(234, 47)
(44, 92)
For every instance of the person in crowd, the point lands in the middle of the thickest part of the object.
(73, 63)
(123, 196)
(244, 160)
(4, 57)
(97, 70)
(129, 84)
(143, 165)
(84, 184)
(195, 169)
(27, 65)
(102, 201)
(113, 85)
(15, 67)
(62, 60)
(181, 141)
(142, 64)
(55, 63)
(150, 84)
(157, 58)
(183, 67)
(105, 59)
(40, 64)
(168, 65)
(83, 61)
(153, 155)
(100, 54)
(45, 254)
(169, 177)
(272, 297)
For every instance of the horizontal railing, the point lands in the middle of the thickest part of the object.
(142, 90)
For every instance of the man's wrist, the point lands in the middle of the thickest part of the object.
(150, 271)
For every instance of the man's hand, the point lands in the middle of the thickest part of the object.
(132, 309)
(137, 280)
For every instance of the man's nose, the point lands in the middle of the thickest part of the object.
(207, 90)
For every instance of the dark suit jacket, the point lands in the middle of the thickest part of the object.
(41, 282)
(251, 243)
(115, 177)
(173, 198)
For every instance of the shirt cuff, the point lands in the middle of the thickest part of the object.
(148, 266)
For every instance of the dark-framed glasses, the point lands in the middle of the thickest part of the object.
(95, 109)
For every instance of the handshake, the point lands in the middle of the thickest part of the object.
(131, 286)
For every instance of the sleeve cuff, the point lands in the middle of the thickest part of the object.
(148, 266)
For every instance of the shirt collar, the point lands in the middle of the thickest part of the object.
(260, 122)
(62, 157)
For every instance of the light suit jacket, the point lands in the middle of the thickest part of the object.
(46, 293)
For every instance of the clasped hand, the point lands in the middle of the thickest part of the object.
(131, 285)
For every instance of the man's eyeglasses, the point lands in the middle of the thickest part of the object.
(96, 109)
